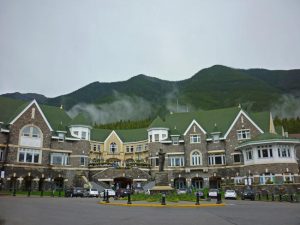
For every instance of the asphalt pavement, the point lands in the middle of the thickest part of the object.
(88, 211)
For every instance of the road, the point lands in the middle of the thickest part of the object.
(82, 211)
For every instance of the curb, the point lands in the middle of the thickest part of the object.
(163, 206)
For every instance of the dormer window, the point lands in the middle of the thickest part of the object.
(61, 137)
(175, 140)
(216, 138)
(83, 135)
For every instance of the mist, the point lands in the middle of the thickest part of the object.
(123, 108)
(288, 106)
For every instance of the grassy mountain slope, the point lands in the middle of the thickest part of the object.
(214, 87)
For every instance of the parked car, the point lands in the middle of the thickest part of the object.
(230, 194)
(74, 192)
(213, 193)
(92, 192)
(111, 193)
(123, 192)
(248, 194)
(181, 191)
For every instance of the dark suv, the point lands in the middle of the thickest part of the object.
(74, 192)
(248, 194)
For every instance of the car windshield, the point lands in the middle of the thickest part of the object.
(230, 191)
(213, 190)
(94, 190)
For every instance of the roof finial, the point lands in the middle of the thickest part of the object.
(239, 106)
(175, 127)
(61, 107)
(215, 124)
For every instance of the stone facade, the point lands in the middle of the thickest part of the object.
(182, 166)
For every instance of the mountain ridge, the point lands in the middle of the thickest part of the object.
(210, 88)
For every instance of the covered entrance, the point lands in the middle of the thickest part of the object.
(180, 183)
(197, 182)
(122, 182)
(215, 182)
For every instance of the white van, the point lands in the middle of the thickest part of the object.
(92, 192)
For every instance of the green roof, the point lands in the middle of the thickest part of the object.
(157, 122)
(10, 108)
(80, 119)
(267, 137)
(262, 119)
(99, 134)
(57, 117)
(206, 119)
(133, 135)
(130, 135)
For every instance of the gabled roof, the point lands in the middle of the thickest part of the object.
(133, 135)
(207, 119)
(130, 135)
(99, 134)
(26, 108)
(11, 108)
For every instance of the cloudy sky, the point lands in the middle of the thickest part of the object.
(54, 47)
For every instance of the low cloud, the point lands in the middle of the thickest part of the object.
(288, 106)
(173, 103)
(123, 108)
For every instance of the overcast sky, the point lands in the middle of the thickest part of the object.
(54, 47)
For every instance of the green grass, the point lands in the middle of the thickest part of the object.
(35, 193)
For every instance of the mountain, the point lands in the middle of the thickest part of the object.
(215, 87)
(27, 96)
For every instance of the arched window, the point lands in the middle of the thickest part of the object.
(113, 148)
(196, 158)
(31, 131)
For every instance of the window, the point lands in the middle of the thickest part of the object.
(243, 134)
(1, 154)
(164, 136)
(195, 139)
(238, 180)
(61, 137)
(113, 148)
(76, 133)
(249, 154)
(139, 148)
(216, 138)
(150, 138)
(237, 158)
(60, 159)
(196, 159)
(94, 147)
(83, 135)
(146, 147)
(99, 148)
(31, 131)
(264, 151)
(216, 159)
(129, 149)
(29, 155)
(156, 137)
(82, 161)
(175, 140)
(176, 161)
(284, 152)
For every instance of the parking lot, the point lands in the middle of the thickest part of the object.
(86, 211)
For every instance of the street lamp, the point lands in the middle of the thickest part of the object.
(14, 184)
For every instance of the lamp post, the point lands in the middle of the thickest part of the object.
(14, 184)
